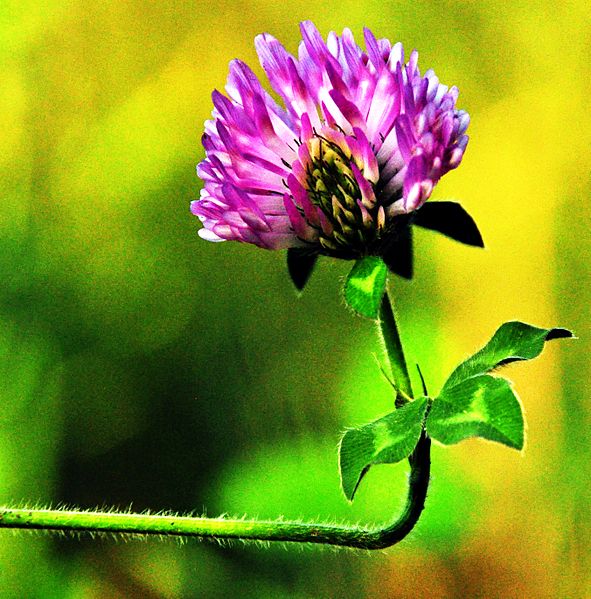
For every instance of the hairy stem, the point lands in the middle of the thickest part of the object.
(222, 528)
(255, 530)
(391, 338)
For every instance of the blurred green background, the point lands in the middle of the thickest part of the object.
(141, 366)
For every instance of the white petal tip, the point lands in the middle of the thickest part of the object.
(209, 235)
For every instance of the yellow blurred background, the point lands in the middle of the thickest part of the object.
(141, 366)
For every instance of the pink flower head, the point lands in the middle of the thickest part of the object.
(359, 139)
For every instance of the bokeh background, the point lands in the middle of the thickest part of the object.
(141, 366)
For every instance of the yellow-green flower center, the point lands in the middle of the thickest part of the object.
(332, 186)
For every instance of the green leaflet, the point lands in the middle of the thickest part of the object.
(365, 286)
(385, 441)
(481, 406)
(513, 341)
(474, 404)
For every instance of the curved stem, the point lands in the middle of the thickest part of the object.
(254, 530)
(221, 528)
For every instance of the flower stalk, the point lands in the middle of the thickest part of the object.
(220, 529)
(388, 330)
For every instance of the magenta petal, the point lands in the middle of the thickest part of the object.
(301, 198)
(301, 228)
(348, 109)
(417, 185)
(405, 136)
(299, 172)
(418, 195)
(463, 122)
(242, 83)
(416, 171)
(280, 241)
(330, 117)
(300, 100)
(313, 42)
(307, 132)
(385, 107)
(274, 59)
(396, 56)
(371, 170)
(373, 50)
(266, 130)
(253, 221)
(368, 197)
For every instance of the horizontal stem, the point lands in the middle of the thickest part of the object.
(222, 528)
(258, 530)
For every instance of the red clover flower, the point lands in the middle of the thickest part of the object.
(361, 140)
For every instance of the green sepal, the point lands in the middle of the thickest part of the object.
(481, 406)
(300, 264)
(450, 219)
(385, 441)
(365, 285)
(513, 341)
(398, 251)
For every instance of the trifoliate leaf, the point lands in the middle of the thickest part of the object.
(512, 341)
(450, 219)
(385, 441)
(481, 406)
(366, 285)
(300, 264)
